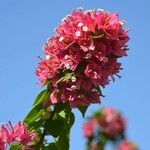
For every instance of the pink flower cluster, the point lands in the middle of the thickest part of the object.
(17, 134)
(87, 45)
(89, 127)
(109, 122)
(127, 145)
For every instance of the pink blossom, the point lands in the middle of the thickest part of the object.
(87, 44)
(111, 122)
(21, 134)
(47, 69)
(89, 128)
(127, 145)
(17, 134)
(2, 138)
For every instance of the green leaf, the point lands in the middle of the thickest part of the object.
(63, 142)
(71, 119)
(51, 146)
(35, 124)
(66, 77)
(32, 114)
(15, 147)
(99, 90)
(62, 107)
(54, 127)
(83, 109)
(37, 109)
(38, 115)
(81, 67)
(41, 96)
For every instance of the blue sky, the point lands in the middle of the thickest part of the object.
(24, 27)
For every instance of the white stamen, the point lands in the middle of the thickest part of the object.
(48, 57)
(104, 59)
(61, 39)
(92, 47)
(66, 56)
(73, 87)
(80, 24)
(89, 55)
(85, 28)
(73, 79)
(78, 33)
(67, 66)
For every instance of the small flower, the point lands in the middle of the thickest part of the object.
(73, 79)
(61, 39)
(92, 47)
(48, 57)
(78, 33)
(67, 66)
(66, 57)
(80, 24)
(88, 56)
(85, 28)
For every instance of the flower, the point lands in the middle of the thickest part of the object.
(86, 44)
(21, 134)
(111, 122)
(2, 138)
(89, 128)
(15, 134)
(127, 145)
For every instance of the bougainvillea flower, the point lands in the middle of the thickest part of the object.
(15, 134)
(2, 138)
(21, 134)
(88, 45)
(111, 122)
(127, 145)
(89, 128)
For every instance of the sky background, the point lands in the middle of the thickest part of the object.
(26, 24)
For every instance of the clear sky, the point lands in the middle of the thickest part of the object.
(26, 24)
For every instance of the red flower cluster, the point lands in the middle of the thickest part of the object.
(17, 134)
(127, 145)
(89, 127)
(109, 121)
(107, 126)
(86, 47)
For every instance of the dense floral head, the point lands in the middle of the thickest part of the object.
(15, 134)
(111, 121)
(107, 121)
(107, 126)
(127, 145)
(83, 55)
